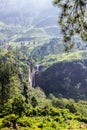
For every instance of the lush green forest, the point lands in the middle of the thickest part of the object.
(43, 74)
(23, 107)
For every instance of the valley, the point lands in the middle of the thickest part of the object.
(43, 80)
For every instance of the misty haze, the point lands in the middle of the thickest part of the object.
(19, 10)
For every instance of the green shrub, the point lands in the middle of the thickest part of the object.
(54, 112)
(34, 112)
(57, 119)
(6, 108)
(49, 119)
(54, 125)
(71, 108)
(40, 126)
(18, 105)
(44, 112)
(34, 102)
(10, 121)
(67, 115)
(24, 122)
(83, 119)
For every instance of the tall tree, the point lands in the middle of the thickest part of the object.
(73, 18)
(9, 82)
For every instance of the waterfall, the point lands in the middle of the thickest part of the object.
(32, 75)
(34, 80)
(36, 69)
(30, 78)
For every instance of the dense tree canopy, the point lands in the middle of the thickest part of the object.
(9, 82)
(73, 18)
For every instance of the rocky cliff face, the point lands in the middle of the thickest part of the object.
(68, 79)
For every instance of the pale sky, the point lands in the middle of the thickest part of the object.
(29, 5)
(38, 3)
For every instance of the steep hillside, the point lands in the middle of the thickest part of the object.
(67, 77)
(53, 51)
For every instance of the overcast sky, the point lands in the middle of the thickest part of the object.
(35, 6)
(38, 4)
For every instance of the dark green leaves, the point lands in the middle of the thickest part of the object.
(73, 19)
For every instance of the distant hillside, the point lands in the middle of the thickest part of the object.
(8, 31)
(53, 46)
(25, 21)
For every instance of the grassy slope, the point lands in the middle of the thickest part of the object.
(71, 56)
